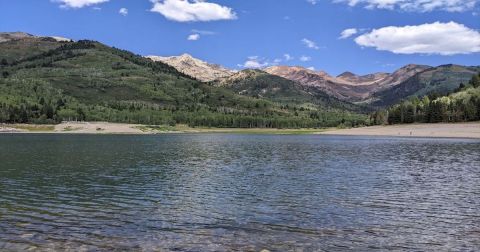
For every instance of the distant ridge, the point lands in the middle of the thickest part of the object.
(194, 67)
(347, 86)
(9, 36)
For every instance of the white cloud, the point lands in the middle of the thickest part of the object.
(256, 62)
(436, 38)
(288, 57)
(311, 68)
(194, 37)
(310, 44)
(277, 61)
(78, 3)
(123, 11)
(347, 33)
(192, 10)
(415, 5)
(312, 1)
(305, 58)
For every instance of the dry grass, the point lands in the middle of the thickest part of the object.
(33, 128)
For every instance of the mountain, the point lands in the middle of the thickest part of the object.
(195, 68)
(260, 84)
(44, 80)
(379, 89)
(19, 45)
(15, 36)
(9, 36)
(401, 75)
(440, 80)
(353, 79)
(257, 83)
(342, 88)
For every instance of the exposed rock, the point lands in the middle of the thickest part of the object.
(196, 68)
(347, 86)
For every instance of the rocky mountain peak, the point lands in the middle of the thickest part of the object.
(194, 67)
(346, 75)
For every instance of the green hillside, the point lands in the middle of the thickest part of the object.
(44, 81)
(438, 80)
(259, 84)
(462, 105)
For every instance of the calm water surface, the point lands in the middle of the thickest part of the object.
(238, 192)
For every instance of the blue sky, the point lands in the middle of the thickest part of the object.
(259, 33)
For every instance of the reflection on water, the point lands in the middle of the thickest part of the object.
(238, 192)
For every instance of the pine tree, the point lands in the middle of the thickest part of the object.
(475, 81)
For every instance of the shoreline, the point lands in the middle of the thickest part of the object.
(469, 130)
(441, 130)
(105, 128)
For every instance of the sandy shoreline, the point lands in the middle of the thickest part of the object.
(119, 128)
(441, 130)
(457, 130)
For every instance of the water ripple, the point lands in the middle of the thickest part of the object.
(238, 193)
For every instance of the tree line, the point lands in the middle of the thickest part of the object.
(463, 105)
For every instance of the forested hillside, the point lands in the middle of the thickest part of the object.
(46, 81)
(462, 105)
(260, 84)
(440, 80)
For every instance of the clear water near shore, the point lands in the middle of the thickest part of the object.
(225, 192)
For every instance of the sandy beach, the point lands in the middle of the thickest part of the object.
(75, 128)
(457, 130)
(453, 130)
(98, 128)
(119, 128)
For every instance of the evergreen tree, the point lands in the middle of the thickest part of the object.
(475, 81)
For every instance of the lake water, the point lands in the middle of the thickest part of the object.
(220, 192)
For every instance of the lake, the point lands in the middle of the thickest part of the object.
(221, 192)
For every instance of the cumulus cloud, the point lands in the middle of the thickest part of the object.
(435, 38)
(347, 33)
(257, 62)
(123, 11)
(288, 57)
(310, 44)
(305, 58)
(415, 5)
(192, 10)
(78, 3)
(194, 37)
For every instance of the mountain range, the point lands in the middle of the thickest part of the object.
(377, 89)
(50, 79)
